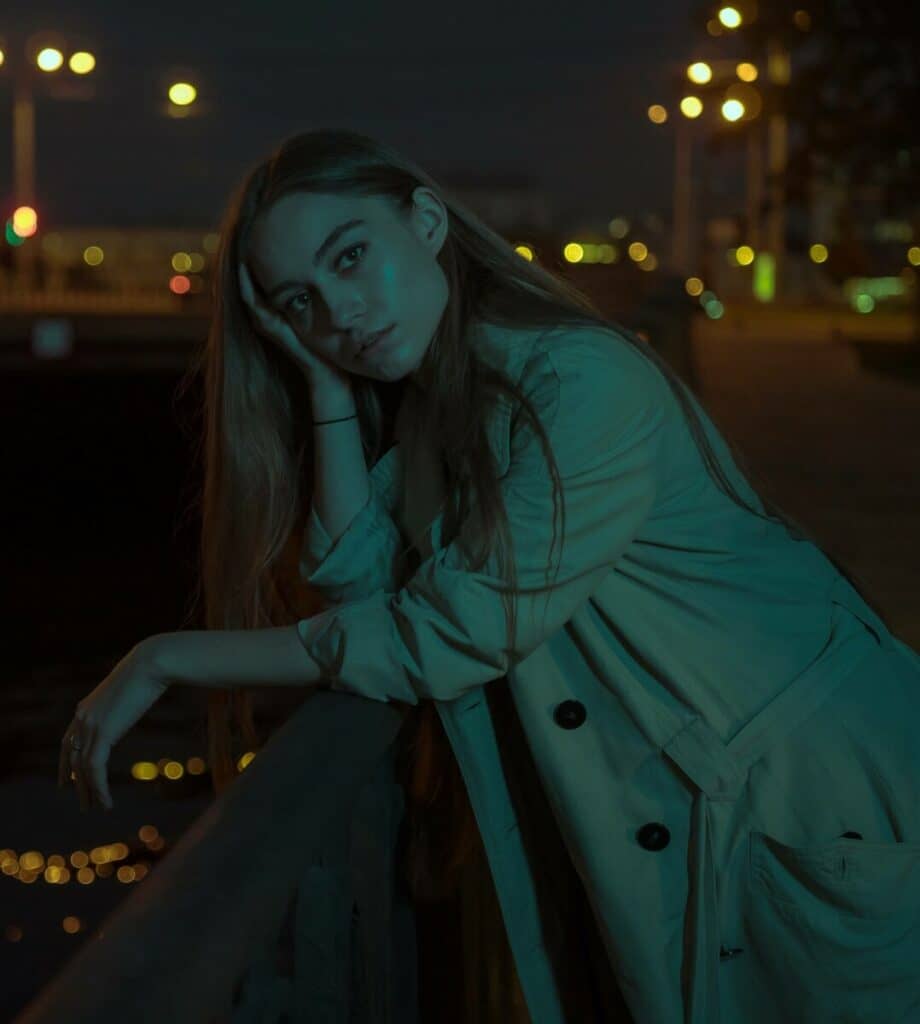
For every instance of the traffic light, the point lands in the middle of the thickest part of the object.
(25, 221)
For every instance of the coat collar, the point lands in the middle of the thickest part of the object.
(507, 350)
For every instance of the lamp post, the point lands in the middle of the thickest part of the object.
(777, 155)
(41, 51)
(754, 185)
(683, 196)
(24, 171)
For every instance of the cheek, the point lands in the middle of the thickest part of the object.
(425, 286)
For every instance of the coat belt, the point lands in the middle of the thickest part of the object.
(720, 769)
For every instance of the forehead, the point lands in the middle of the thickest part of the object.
(296, 225)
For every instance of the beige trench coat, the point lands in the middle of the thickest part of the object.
(725, 731)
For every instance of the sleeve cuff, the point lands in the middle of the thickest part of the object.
(362, 560)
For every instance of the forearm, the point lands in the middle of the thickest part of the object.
(234, 658)
(340, 479)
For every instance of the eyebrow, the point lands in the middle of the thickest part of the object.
(320, 253)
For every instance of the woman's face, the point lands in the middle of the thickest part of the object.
(335, 288)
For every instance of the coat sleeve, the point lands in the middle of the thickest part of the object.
(368, 557)
(444, 632)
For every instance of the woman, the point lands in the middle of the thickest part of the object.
(677, 782)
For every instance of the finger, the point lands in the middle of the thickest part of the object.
(246, 286)
(68, 761)
(78, 763)
(98, 760)
(80, 783)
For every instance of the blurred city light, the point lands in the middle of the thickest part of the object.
(732, 110)
(691, 106)
(693, 286)
(10, 235)
(52, 338)
(182, 93)
(700, 72)
(748, 96)
(817, 253)
(779, 67)
(744, 254)
(764, 277)
(863, 292)
(49, 59)
(711, 305)
(747, 72)
(572, 252)
(618, 227)
(730, 17)
(82, 63)
(637, 251)
(802, 20)
(657, 113)
(25, 221)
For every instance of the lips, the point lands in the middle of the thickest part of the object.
(376, 338)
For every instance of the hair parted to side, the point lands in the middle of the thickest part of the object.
(256, 445)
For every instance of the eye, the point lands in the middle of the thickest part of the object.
(290, 307)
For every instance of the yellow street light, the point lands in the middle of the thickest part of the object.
(49, 59)
(748, 96)
(81, 63)
(182, 93)
(732, 110)
(746, 71)
(744, 254)
(657, 113)
(730, 17)
(691, 106)
(572, 252)
(700, 72)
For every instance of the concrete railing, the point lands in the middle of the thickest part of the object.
(174, 949)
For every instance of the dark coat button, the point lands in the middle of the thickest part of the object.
(653, 836)
(851, 835)
(570, 714)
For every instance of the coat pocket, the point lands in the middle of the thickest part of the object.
(838, 927)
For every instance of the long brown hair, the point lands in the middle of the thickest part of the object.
(256, 445)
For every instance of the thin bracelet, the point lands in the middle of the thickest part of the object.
(317, 423)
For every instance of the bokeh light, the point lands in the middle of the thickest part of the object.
(49, 59)
(730, 17)
(81, 63)
(691, 106)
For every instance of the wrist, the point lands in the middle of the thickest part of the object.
(327, 407)
(154, 651)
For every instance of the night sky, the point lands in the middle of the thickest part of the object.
(556, 92)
